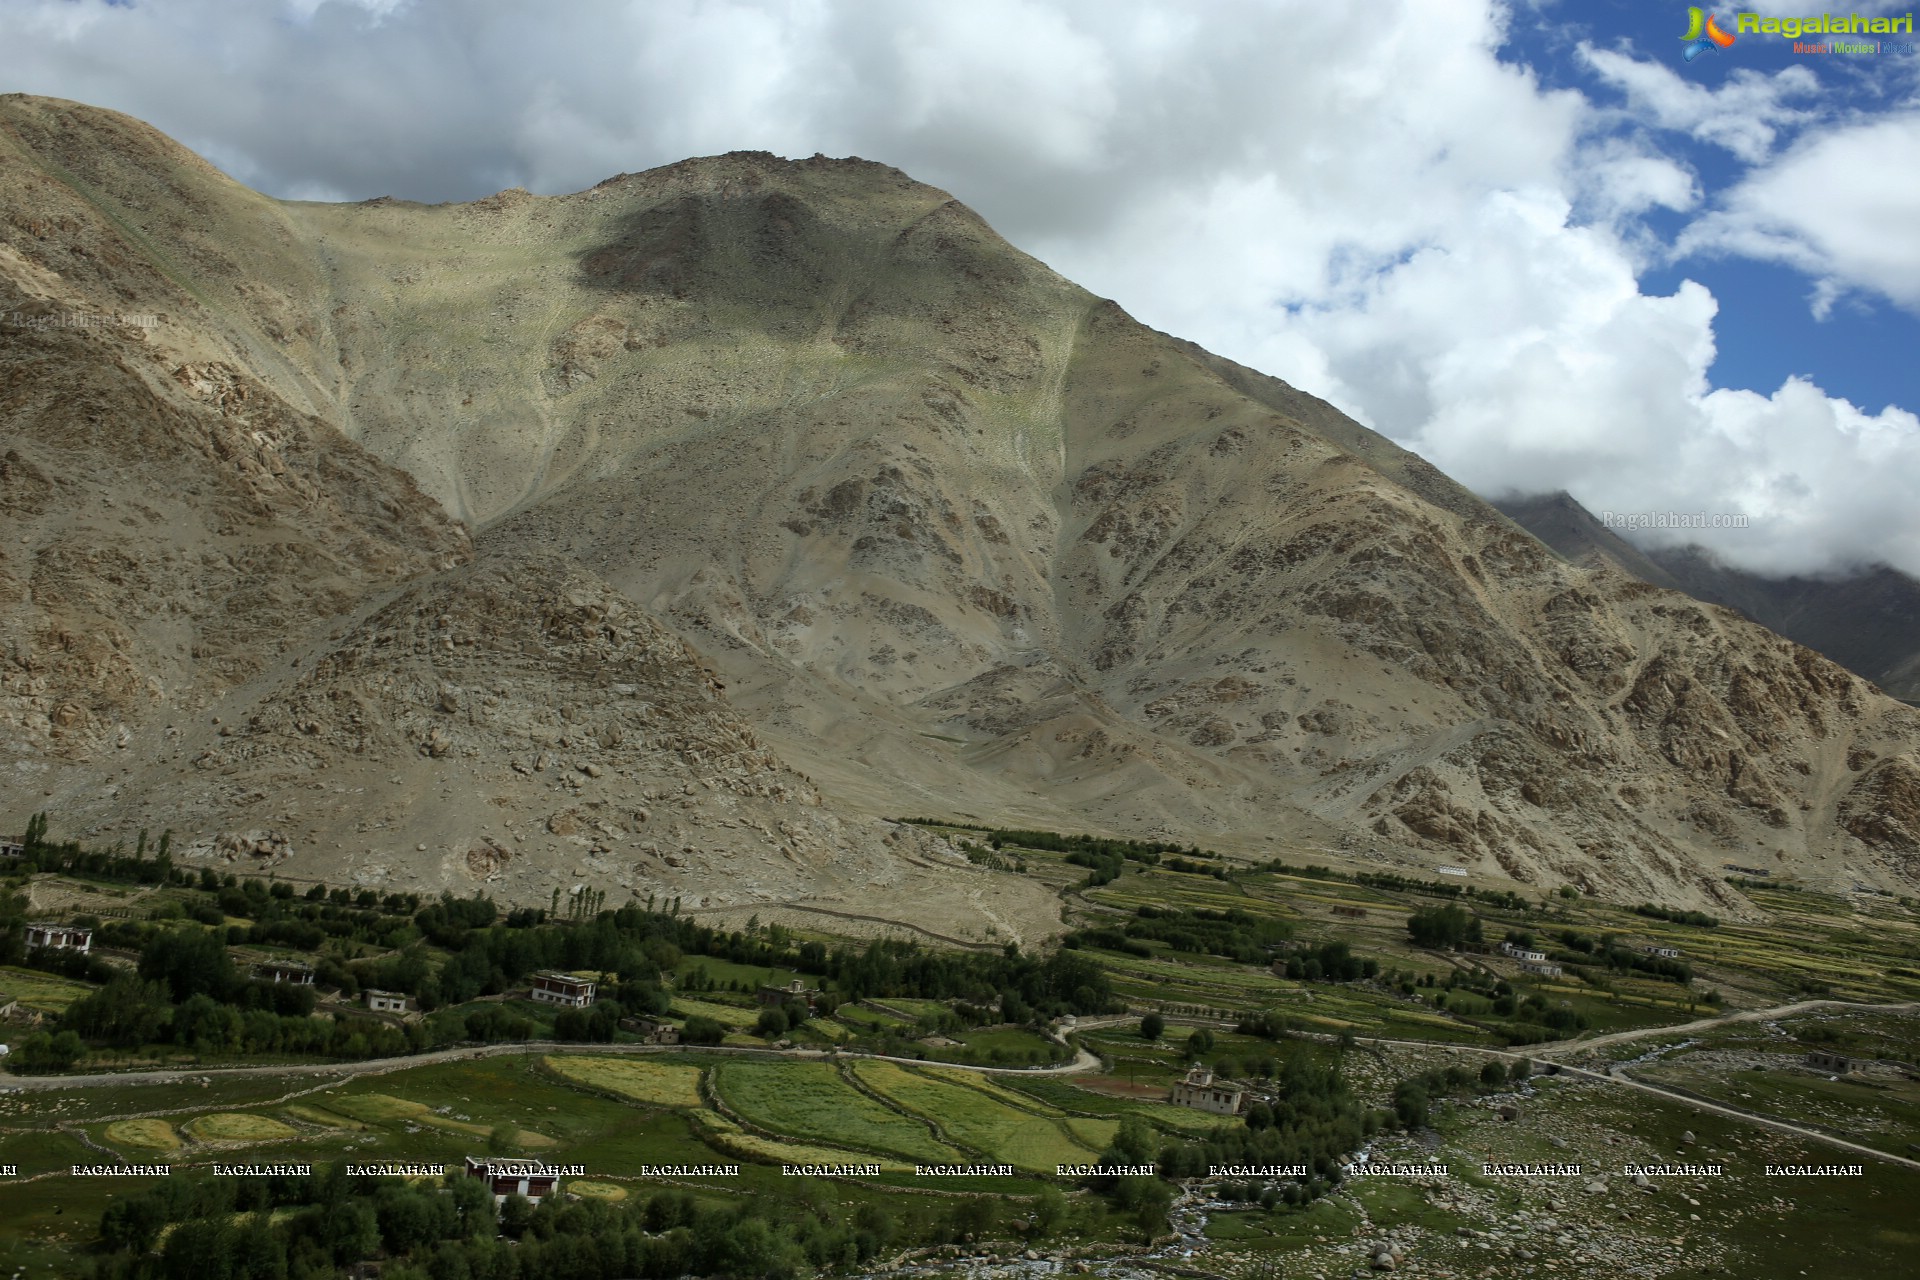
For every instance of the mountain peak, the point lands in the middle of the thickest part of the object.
(937, 528)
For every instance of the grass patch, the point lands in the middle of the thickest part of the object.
(147, 1135)
(664, 1084)
(324, 1118)
(971, 1118)
(236, 1126)
(809, 1100)
(727, 1015)
(592, 1190)
(40, 991)
(730, 1139)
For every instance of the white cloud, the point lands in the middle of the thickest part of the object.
(1744, 116)
(1386, 215)
(1841, 206)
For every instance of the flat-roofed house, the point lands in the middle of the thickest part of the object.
(288, 971)
(652, 1030)
(529, 1178)
(60, 937)
(1203, 1093)
(387, 1001)
(795, 992)
(12, 848)
(562, 989)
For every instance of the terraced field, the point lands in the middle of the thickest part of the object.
(663, 1084)
(727, 1015)
(810, 1100)
(1028, 1137)
(41, 992)
(729, 1137)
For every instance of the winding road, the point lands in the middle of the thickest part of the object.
(1083, 1061)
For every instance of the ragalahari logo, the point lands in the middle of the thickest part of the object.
(1703, 33)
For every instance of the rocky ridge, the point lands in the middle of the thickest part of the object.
(959, 536)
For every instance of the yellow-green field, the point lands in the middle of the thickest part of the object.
(642, 1079)
(148, 1135)
(727, 1015)
(608, 1191)
(236, 1126)
(732, 1139)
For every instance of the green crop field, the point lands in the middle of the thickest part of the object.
(810, 1100)
(977, 1120)
(43, 992)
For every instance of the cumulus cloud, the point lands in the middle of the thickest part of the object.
(1828, 207)
(1744, 116)
(1405, 223)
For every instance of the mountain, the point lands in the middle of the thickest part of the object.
(797, 498)
(1868, 622)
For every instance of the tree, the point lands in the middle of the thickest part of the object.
(40, 1053)
(125, 1013)
(1410, 1104)
(190, 961)
(1152, 1026)
(772, 1024)
(1446, 926)
(1049, 1212)
(701, 1029)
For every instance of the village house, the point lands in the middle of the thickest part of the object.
(651, 1030)
(60, 937)
(387, 1001)
(1540, 968)
(1352, 913)
(795, 992)
(1201, 1092)
(1834, 1064)
(529, 1178)
(1665, 953)
(12, 848)
(288, 971)
(562, 989)
(1518, 952)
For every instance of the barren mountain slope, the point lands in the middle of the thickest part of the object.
(962, 538)
(1867, 621)
(221, 615)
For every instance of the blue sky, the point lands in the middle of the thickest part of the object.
(1862, 347)
(1521, 237)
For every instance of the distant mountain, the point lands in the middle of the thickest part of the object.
(1868, 622)
(667, 536)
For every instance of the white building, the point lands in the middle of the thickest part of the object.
(60, 937)
(564, 989)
